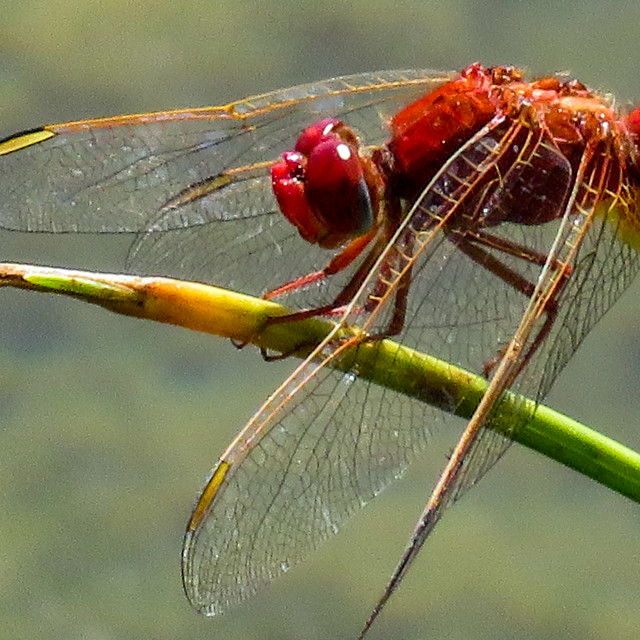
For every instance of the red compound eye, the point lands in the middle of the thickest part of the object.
(321, 187)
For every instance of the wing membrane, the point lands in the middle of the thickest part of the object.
(590, 228)
(115, 174)
(326, 442)
(323, 445)
(118, 175)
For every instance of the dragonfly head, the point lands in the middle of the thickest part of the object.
(326, 186)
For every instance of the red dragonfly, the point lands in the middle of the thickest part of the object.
(476, 216)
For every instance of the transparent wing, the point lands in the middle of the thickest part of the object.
(592, 246)
(320, 447)
(298, 484)
(194, 183)
(327, 442)
(595, 242)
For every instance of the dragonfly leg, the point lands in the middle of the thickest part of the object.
(395, 324)
(383, 285)
(337, 306)
(511, 248)
(511, 277)
(338, 263)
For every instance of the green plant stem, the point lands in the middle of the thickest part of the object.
(242, 318)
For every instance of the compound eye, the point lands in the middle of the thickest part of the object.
(336, 189)
(314, 134)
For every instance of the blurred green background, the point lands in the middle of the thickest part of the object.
(108, 425)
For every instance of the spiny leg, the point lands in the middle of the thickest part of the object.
(514, 279)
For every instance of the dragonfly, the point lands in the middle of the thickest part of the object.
(478, 216)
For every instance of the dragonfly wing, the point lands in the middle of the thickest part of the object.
(601, 233)
(597, 240)
(326, 441)
(333, 445)
(323, 445)
(192, 182)
(116, 174)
